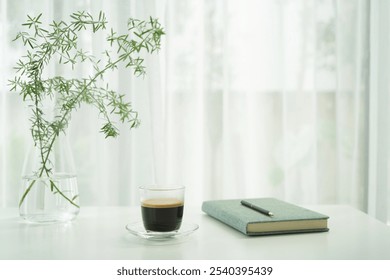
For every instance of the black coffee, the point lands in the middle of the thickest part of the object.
(162, 214)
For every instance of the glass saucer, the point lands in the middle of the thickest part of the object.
(138, 229)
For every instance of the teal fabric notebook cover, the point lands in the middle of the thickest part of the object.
(287, 218)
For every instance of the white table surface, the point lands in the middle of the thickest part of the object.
(99, 233)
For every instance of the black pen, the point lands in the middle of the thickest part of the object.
(257, 208)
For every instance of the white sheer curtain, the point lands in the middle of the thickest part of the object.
(246, 98)
(379, 125)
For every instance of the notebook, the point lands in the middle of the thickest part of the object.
(287, 217)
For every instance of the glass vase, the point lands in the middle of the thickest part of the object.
(49, 194)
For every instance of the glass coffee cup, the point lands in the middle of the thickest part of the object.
(162, 207)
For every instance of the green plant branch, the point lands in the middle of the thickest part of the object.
(53, 185)
(61, 39)
(44, 162)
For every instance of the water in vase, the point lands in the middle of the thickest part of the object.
(53, 199)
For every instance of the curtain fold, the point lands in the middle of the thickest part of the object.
(379, 119)
(246, 98)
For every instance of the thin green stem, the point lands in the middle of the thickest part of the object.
(62, 194)
(26, 192)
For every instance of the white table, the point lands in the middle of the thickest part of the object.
(99, 233)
